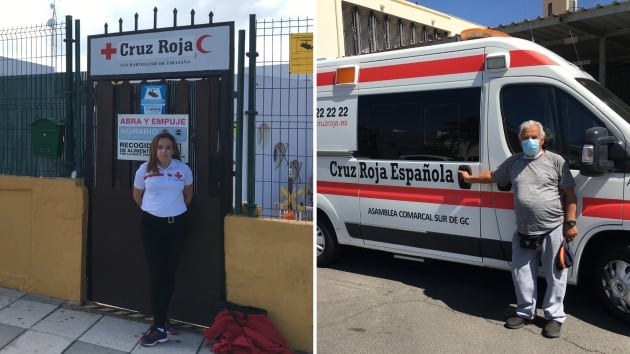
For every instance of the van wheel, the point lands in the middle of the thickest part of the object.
(611, 280)
(326, 243)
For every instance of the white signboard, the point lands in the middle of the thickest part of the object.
(160, 53)
(135, 132)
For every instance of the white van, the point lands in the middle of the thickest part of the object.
(393, 129)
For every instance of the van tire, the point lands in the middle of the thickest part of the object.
(611, 280)
(328, 249)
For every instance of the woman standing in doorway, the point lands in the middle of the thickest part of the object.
(163, 189)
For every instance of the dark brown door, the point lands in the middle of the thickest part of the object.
(116, 265)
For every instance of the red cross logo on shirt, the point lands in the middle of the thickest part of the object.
(178, 175)
(108, 51)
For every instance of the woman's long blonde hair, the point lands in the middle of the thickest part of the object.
(152, 166)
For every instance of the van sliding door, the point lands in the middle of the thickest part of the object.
(410, 147)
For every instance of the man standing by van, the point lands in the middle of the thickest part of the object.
(545, 205)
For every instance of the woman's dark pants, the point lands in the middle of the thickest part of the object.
(163, 240)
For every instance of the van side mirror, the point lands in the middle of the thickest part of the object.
(595, 160)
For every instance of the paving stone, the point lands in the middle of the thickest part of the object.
(116, 333)
(67, 323)
(37, 324)
(82, 348)
(24, 313)
(8, 296)
(32, 341)
(5, 300)
(11, 292)
(42, 299)
(8, 334)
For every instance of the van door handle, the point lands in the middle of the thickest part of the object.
(505, 188)
(460, 180)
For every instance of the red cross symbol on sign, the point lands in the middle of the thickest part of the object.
(178, 175)
(108, 51)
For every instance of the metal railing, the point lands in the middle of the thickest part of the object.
(37, 83)
(283, 131)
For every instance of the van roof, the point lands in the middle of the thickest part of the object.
(507, 43)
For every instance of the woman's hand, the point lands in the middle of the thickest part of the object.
(137, 196)
(188, 194)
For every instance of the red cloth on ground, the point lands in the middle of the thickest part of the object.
(237, 333)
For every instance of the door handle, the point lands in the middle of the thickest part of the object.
(460, 180)
(505, 188)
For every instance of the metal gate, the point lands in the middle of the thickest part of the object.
(117, 271)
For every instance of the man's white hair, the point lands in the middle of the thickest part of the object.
(529, 124)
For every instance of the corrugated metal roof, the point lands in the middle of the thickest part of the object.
(576, 35)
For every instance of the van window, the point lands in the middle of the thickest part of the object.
(564, 118)
(607, 97)
(429, 125)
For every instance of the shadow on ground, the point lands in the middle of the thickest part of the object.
(477, 291)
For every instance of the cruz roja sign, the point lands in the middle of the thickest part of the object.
(162, 53)
(195, 51)
(135, 132)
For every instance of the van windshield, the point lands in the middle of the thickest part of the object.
(607, 97)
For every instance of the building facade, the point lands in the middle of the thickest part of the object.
(352, 27)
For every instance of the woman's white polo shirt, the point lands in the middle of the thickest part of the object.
(164, 191)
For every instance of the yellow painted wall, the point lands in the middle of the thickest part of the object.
(43, 232)
(269, 264)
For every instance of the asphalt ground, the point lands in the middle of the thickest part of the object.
(369, 302)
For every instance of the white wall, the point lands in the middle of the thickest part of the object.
(284, 104)
(13, 67)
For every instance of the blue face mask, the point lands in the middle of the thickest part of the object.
(531, 148)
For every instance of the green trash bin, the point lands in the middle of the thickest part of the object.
(46, 138)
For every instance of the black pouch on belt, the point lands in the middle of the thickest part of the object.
(532, 242)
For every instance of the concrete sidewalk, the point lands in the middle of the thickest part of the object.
(36, 324)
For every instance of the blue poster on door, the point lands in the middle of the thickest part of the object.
(153, 99)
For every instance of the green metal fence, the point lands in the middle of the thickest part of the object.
(40, 106)
(283, 142)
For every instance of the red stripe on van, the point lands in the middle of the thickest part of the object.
(326, 79)
(457, 197)
(473, 63)
(606, 208)
(338, 188)
(519, 58)
(614, 209)
(460, 65)
(422, 195)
